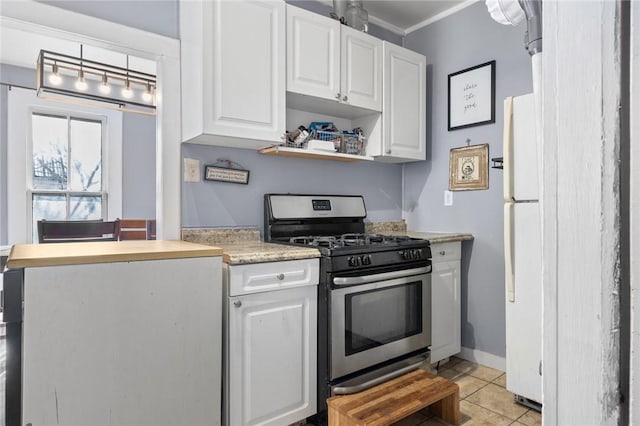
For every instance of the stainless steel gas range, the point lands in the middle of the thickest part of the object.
(374, 295)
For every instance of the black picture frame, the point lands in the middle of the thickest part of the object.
(471, 96)
(226, 174)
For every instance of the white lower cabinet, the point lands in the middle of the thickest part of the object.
(271, 344)
(445, 300)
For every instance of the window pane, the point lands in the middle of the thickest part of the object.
(49, 152)
(86, 155)
(85, 208)
(51, 207)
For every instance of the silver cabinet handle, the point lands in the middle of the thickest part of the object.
(388, 151)
(442, 252)
(338, 96)
(345, 98)
(363, 279)
(280, 277)
(237, 303)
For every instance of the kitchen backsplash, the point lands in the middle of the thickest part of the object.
(385, 227)
(216, 236)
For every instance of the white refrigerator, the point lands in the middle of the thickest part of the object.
(522, 241)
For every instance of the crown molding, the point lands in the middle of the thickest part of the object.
(387, 26)
(440, 16)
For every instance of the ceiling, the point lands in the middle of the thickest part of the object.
(405, 16)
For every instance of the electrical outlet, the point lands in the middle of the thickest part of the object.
(191, 170)
(448, 198)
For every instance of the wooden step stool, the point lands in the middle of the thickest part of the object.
(396, 399)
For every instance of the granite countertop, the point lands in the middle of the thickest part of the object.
(34, 255)
(440, 237)
(243, 245)
(259, 251)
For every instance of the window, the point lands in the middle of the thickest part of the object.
(66, 168)
(64, 161)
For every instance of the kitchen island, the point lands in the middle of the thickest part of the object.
(114, 333)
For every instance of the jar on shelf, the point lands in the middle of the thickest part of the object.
(357, 17)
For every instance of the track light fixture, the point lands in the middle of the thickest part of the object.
(69, 78)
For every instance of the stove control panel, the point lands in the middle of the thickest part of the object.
(412, 254)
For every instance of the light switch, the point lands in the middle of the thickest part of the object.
(191, 170)
(448, 198)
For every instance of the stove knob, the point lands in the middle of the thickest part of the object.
(354, 261)
(366, 259)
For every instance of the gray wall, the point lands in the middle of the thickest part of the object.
(156, 16)
(221, 204)
(138, 166)
(450, 45)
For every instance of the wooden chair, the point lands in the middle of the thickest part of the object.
(62, 231)
(136, 229)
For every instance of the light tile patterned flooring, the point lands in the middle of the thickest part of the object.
(483, 399)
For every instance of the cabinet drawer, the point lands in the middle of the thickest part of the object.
(259, 277)
(442, 252)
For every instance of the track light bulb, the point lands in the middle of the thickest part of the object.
(54, 77)
(104, 87)
(147, 95)
(127, 93)
(81, 83)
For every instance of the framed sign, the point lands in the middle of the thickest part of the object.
(226, 174)
(472, 96)
(469, 168)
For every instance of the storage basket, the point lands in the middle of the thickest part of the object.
(346, 143)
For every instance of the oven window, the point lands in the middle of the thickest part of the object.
(376, 317)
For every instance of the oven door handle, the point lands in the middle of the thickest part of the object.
(348, 390)
(363, 279)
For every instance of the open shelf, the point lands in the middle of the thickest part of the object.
(307, 153)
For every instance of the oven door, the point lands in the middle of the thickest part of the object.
(375, 318)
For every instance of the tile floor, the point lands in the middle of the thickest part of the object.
(483, 399)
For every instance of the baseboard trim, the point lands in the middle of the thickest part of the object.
(484, 358)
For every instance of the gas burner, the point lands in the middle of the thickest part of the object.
(353, 239)
(316, 241)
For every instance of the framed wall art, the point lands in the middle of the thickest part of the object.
(469, 168)
(226, 174)
(472, 96)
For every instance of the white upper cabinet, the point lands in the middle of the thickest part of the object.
(233, 72)
(404, 108)
(313, 54)
(330, 61)
(361, 69)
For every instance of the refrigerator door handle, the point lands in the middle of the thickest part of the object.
(508, 251)
(507, 150)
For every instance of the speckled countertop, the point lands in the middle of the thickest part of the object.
(243, 245)
(399, 227)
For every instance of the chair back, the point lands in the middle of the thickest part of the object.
(136, 229)
(62, 231)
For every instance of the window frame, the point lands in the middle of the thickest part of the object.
(103, 193)
(22, 103)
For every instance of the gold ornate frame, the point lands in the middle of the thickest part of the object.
(469, 168)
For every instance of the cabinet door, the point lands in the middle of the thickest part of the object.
(445, 309)
(272, 357)
(313, 54)
(361, 69)
(404, 117)
(244, 69)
